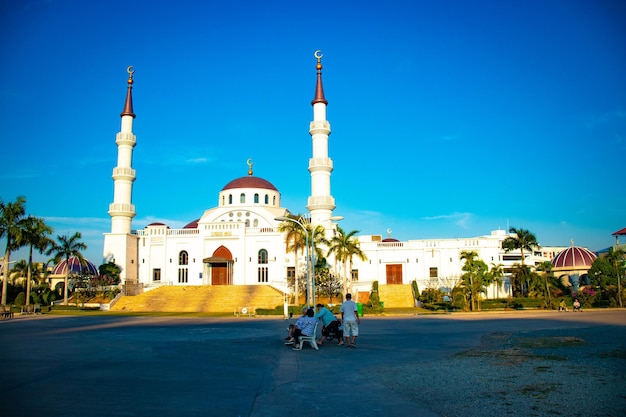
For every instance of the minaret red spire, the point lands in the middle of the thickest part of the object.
(319, 90)
(128, 106)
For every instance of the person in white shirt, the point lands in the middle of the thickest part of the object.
(350, 319)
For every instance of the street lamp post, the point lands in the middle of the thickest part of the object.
(308, 270)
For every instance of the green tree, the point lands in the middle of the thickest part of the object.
(35, 234)
(495, 275)
(11, 216)
(522, 239)
(345, 246)
(295, 242)
(616, 258)
(474, 278)
(66, 247)
(602, 274)
(546, 271)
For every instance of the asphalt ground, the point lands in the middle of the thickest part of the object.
(481, 364)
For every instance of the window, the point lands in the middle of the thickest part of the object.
(230, 199)
(156, 274)
(263, 274)
(274, 200)
(242, 198)
(433, 272)
(183, 258)
(256, 198)
(267, 199)
(291, 274)
(183, 275)
(247, 222)
(262, 256)
(355, 275)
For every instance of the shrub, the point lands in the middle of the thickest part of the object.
(20, 300)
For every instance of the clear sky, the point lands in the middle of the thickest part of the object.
(449, 118)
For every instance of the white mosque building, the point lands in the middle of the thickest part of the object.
(237, 242)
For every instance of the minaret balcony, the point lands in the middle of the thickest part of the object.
(321, 202)
(124, 173)
(320, 164)
(319, 127)
(125, 138)
(121, 209)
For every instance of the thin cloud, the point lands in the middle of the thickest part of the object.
(460, 219)
(200, 160)
(79, 220)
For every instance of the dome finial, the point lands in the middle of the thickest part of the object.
(250, 163)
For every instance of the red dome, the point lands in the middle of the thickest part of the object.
(249, 182)
(75, 267)
(390, 239)
(574, 257)
(192, 225)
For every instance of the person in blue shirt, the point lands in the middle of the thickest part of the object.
(305, 326)
(330, 322)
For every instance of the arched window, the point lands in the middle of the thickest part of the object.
(256, 198)
(242, 198)
(230, 199)
(274, 201)
(263, 256)
(256, 222)
(223, 198)
(183, 258)
(247, 222)
(267, 199)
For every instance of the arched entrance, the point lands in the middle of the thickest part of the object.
(220, 267)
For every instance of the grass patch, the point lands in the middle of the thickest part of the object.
(618, 354)
(549, 342)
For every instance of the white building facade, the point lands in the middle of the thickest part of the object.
(237, 242)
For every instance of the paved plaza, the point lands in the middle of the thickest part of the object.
(483, 364)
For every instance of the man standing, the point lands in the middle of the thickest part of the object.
(350, 319)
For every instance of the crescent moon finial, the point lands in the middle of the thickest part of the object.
(318, 54)
(130, 70)
(250, 163)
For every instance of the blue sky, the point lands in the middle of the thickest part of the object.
(449, 118)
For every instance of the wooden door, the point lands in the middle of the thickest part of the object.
(394, 274)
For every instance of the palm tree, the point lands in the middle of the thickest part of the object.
(546, 268)
(295, 235)
(345, 246)
(66, 247)
(476, 270)
(616, 258)
(318, 241)
(495, 276)
(11, 216)
(35, 234)
(522, 240)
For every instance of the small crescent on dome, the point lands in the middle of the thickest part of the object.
(389, 231)
(249, 162)
(130, 69)
(318, 54)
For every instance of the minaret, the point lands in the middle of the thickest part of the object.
(321, 204)
(120, 246)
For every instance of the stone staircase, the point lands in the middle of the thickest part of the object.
(206, 299)
(396, 295)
